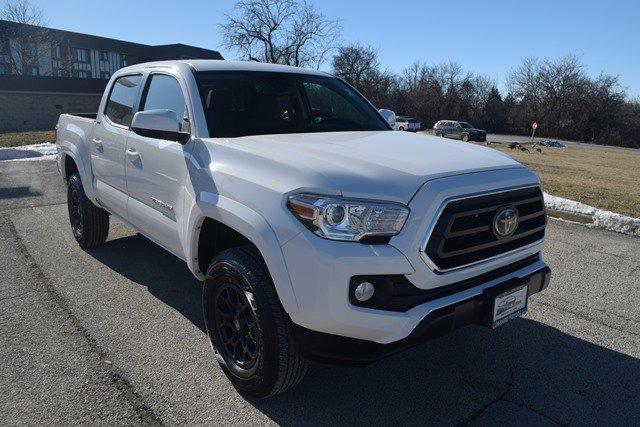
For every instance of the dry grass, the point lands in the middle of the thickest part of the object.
(25, 138)
(603, 177)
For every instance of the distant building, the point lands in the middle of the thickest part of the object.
(45, 72)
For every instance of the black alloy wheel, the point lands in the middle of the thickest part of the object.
(89, 223)
(75, 212)
(237, 329)
(251, 334)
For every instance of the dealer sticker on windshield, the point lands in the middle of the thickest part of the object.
(508, 305)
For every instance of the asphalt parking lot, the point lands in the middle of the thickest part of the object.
(115, 335)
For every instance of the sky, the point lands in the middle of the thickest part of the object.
(485, 37)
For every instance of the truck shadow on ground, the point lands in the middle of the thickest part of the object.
(16, 153)
(18, 192)
(166, 277)
(523, 373)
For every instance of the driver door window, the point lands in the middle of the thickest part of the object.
(165, 93)
(325, 105)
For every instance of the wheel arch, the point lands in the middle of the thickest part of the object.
(68, 167)
(215, 216)
(70, 157)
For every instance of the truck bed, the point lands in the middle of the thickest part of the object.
(84, 115)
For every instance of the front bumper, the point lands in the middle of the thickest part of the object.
(321, 270)
(440, 321)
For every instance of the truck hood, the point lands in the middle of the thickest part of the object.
(384, 165)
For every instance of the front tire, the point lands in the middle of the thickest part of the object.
(465, 137)
(439, 134)
(249, 331)
(89, 223)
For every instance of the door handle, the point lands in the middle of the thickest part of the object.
(132, 154)
(98, 144)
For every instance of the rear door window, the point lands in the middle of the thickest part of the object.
(123, 97)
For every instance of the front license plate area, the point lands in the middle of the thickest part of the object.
(508, 305)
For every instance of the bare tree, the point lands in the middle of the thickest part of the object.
(359, 66)
(280, 31)
(547, 91)
(24, 12)
(558, 94)
(356, 64)
(26, 43)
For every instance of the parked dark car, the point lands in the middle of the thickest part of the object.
(459, 130)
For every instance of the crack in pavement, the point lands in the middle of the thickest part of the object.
(535, 411)
(583, 316)
(502, 397)
(145, 413)
(21, 294)
(17, 208)
(483, 408)
(588, 307)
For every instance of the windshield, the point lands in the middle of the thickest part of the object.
(258, 103)
(466, 125)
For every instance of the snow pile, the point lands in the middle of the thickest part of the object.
(44, 151)
(551, 143)
(601, 218)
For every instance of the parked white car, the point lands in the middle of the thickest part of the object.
(407, 123)
(318, 233)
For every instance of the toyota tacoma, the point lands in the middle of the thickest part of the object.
(318, 233)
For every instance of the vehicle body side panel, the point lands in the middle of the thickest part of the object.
(73, 135)
(251, 225)
(156, 177)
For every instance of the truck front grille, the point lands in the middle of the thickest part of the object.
(464, 233)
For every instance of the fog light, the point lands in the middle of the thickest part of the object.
(364, 291)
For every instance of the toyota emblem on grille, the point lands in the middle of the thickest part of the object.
(505, 222)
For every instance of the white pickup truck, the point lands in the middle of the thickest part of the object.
(318, 232)
(407, 123)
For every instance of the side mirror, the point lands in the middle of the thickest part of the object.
(388, 115)
(160, 124)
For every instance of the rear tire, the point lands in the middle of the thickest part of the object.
(465, 137)
(249, 331)
(400, 128)
(89, 223)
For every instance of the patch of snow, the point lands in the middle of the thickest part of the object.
(44, 151)
(551, 143)
(601, 219)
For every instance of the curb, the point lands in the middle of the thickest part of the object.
(590, 216)
(570, 216)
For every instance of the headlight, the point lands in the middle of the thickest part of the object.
(348, 219)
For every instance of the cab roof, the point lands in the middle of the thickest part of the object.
(223, 65)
